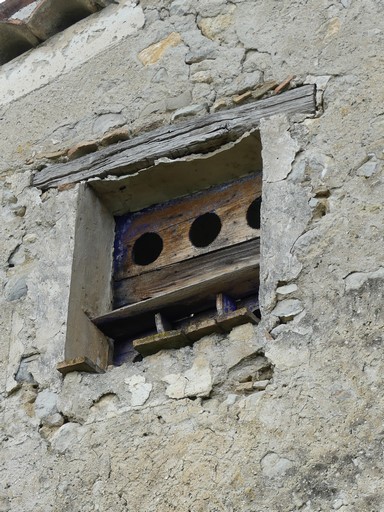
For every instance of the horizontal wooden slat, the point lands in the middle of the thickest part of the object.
(234, 318)
(133, 319)
(191, 274)
(156, 342)
(175, 339)
(79, 364)
(201, 135)
(136, 318)
(173, 220)
(196, 329)
(197, 326)
(187, 325)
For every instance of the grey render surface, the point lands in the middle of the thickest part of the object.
(180, 431)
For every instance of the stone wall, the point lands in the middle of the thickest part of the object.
(280, 417)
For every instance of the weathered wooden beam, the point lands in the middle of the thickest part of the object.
(79, 364)
(194, 330)
(201, 135)
(193, 277)
(134, 319)
(234, 318)
(156, 342)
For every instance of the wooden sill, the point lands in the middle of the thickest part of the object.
(182, 337)
(241, 279)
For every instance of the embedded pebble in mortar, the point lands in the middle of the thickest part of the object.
(288, 308)
(191, 110)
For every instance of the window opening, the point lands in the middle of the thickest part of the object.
(208, 158)
(180, 274)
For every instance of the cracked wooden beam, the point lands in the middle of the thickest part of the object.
(202, 135)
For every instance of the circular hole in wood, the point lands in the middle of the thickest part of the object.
(253, 214)
(205, 229)
(147, 248)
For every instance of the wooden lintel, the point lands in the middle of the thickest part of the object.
(79, 364)
(196, 329)
(202, 135)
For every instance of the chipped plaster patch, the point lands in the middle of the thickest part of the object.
(332, 28)
(272, 465)
(154, 52)
(212, 27)
(140, 390)
(197, 381)
(279, 149)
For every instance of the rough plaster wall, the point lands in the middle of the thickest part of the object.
(195, 430)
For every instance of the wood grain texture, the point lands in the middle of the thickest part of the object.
(234, 318)
(201, 135)
(198, 328)
(156, 342)
(175, 339)
(172, 222)
(193, 276)
(180, 302)
(79, 364)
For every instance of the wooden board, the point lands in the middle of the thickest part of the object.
(175, 339)
(239, 317)
(202, 135)
(172, 222)
(154, 343)
(197, 326)
(79, 364)
(136, 318)
(196, 329)
(191, 277)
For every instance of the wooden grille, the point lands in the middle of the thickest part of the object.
(186, 264)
